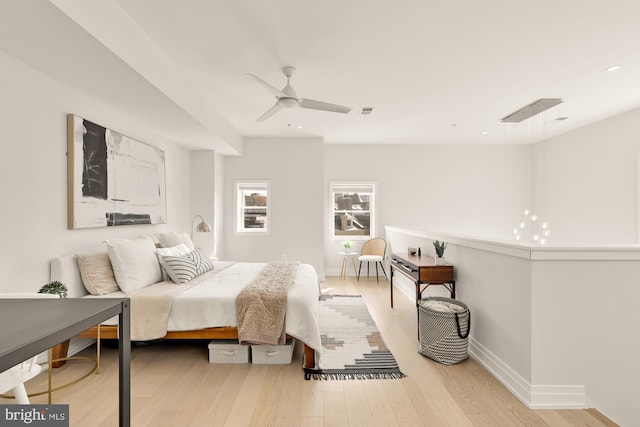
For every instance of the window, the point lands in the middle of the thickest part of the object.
(353, 208)
(252, 201)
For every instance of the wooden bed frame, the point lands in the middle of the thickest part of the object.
(228, 332)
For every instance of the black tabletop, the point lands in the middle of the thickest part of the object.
(30, 326)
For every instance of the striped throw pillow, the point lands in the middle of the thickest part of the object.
(183, 268)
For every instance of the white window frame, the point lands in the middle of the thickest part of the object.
(354, 186)
(240, 187)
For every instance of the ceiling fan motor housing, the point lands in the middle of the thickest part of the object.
(288, 102)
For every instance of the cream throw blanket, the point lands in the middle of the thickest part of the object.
(150, 309)
(262, 304)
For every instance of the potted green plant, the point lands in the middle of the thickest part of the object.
(347, 246)
(440, 248)
(54, 288)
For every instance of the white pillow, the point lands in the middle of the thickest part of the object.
(183, 268)
(173, 238)
(134, 261)
(177, 250)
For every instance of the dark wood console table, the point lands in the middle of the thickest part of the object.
(32, 326)
(423, 272)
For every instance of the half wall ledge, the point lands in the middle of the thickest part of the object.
(555, 321)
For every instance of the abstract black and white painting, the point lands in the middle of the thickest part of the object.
(113, 179)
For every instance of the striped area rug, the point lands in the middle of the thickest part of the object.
(352, 345)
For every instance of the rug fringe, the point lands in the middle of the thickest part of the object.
(323, 297)
(322, 376)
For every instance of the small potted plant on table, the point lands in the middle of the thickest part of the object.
(347, 246)
(54, 288)
(440, 247)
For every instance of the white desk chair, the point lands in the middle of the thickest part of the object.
(14, 378)
(373, 251)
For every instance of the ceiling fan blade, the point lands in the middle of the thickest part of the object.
(270, 112)
(277, 92)
(324, 106)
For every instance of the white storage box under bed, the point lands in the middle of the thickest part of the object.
(228, 351)
(273, 354)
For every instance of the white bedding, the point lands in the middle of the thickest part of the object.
(209, 300)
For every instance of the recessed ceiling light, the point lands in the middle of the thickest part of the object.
(614, 68)
(485, 132)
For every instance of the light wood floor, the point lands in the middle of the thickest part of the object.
(172, 384)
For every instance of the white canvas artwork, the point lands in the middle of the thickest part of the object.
(113, 179)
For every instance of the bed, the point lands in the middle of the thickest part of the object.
(205, 307)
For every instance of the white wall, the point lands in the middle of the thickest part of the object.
(474, 190)
(218, 204)
(585, 182)
(466, 189)
(294, 167)
(33, 175)
(203, 173)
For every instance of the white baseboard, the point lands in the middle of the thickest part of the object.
(338, 271)
(503, 372)
(533, 396)
(406, 287)
(558, 397)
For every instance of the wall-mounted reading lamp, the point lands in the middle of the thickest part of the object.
(202, 227)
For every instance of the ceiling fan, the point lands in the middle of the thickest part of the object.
(287, 98)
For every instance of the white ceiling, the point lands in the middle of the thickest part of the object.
(434, 71)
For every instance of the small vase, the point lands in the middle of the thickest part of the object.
(440, 260)
(347, 250)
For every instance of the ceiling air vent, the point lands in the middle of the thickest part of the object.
(532, 109)
(366, 111)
